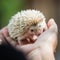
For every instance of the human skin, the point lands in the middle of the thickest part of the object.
(42, 49)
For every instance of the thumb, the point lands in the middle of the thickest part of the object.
(52, 25)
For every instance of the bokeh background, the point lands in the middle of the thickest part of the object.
(50, 8)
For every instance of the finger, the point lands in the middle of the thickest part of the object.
(11, 41)
(2, 39)
(26, 48)
(5, 32)
(52, 25)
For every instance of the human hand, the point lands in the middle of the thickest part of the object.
(2, 37)
(46, 43)
(47, 39)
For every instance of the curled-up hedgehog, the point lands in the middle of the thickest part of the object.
(27, 24)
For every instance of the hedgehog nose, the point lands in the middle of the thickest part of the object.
(38, 34)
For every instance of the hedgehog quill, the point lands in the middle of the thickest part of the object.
(27, 24)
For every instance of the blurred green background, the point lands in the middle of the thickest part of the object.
(50, 8)
(9, 8)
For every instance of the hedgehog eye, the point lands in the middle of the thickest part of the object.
(31, 30)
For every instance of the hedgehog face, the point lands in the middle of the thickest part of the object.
(37, 29)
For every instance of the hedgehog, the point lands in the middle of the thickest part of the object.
(27, 24)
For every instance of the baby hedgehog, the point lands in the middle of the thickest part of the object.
(27, 24)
